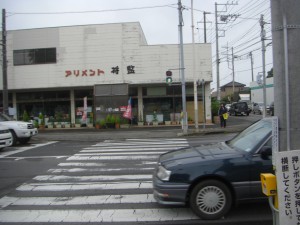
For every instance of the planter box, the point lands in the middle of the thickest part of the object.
(50, 126)
(140, 124)
(90, 125)
(124, 126)
(155, 123)
(167, 122)
(77, 125)
(67, 125)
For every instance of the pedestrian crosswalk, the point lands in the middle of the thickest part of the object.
(110, 181)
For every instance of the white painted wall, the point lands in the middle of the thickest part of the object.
(102, 47)
(257, 91)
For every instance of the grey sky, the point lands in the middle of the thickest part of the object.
(159, 21)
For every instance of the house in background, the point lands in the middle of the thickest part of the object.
(233, 92)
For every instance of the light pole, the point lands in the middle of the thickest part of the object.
(263, 34)
(203, 102)
(185, 127)
(4, 64)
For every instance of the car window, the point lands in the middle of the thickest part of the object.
(252, 137)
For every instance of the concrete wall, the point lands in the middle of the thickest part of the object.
(257, 91)
(86, 55)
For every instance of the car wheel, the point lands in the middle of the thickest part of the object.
(24, 140)
(14, 138)
(210, 199)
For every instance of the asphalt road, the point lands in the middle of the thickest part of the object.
(51, 179)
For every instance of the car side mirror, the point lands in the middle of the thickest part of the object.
(266, 151)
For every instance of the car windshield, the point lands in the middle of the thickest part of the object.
(250, 138)
(4, 117)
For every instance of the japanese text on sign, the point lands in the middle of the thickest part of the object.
(97, 72)
(288, 181)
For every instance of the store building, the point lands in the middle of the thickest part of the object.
(51, 70)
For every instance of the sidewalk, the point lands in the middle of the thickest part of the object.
(162, 131)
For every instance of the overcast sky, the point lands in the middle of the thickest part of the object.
(159, 21)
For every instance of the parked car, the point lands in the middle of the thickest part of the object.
(5, 137)
(271, 109)
(227, 106)
(213, 178)
(239, 108)
(258, 108)
(20, 131)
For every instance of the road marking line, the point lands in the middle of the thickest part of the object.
(76, 170)
(84, 186)
(92, 178)
(112, 157)
(82, 164)
(77, 200)
(119, 153)
(124, 146)
(105, 215)
(139, 149)
(23, 149)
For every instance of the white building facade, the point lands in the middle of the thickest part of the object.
(51, 70)
(257, 93)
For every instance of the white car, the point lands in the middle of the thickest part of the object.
(258, 108)
(20, 131)
(5, 137)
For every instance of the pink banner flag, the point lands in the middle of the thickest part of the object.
(84, 114)
(128, 113)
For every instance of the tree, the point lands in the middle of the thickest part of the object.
(270, 73)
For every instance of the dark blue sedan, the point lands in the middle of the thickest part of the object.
(213, 178)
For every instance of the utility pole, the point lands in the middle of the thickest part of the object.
(263, 49)
(224, 18)
(204, 19)
(233, 80)
(194, 70)
(285, 42)
(251, 59)
(4, 64)
(185, 127)
(217, 54)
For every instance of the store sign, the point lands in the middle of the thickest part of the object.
(288, 185)
(83, 73)
(97, 72)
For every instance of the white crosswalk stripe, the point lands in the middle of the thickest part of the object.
(105, 176)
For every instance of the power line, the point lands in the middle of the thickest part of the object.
(92, 11)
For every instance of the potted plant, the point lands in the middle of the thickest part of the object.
(102, 123)
(110, 121)
(50, 122)
(41, 121)
(25, 116)
(117, 122)
(155, 121)
(190, 120)
(214, 109)
(97, 125)
(36, 124)
(124, 123)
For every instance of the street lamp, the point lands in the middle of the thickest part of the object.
(203, 103)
